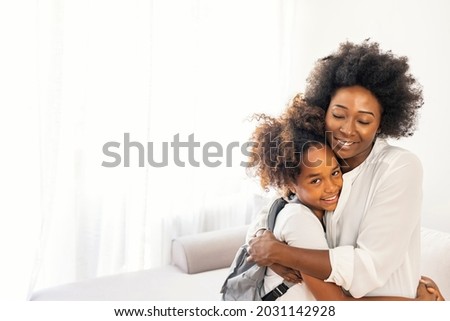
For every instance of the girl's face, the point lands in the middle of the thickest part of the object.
(352, 121)
(320, 180)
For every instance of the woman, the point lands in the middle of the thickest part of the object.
(374, 233)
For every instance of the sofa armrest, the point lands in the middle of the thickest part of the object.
(207, 251)
(435, 258)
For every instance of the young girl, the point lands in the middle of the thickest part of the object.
(291, 155)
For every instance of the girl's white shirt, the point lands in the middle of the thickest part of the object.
(296, 225)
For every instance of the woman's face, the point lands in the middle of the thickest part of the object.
(352, 121)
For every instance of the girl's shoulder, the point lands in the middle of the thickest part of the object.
(297, 210)
(298, 226)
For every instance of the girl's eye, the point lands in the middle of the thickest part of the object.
(336, 173)
(338, 116)
(315, 181)
(363, 122)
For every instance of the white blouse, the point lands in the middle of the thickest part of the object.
(374, 233)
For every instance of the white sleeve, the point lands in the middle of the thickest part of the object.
(260, 220)
(298, 227)
(385, 231)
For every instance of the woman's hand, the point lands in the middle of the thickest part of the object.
(431, 288)
(286, 273)
(261, 248)
(423, 294)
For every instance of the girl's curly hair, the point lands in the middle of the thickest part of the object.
(279, 143)
(383, 73)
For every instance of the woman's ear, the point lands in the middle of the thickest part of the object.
(377, 133)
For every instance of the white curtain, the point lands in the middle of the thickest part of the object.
(153, 71)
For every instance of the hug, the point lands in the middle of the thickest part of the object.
(351, 228)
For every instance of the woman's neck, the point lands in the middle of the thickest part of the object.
(351, 163)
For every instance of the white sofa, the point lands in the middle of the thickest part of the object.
(199, 266)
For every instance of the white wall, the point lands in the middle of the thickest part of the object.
(417, 29)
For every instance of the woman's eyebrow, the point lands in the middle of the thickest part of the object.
(341, 106)
(359, 111)
(366, 112)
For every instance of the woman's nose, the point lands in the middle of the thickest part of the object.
(347, 128)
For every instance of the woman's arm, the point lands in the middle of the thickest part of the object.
(278, 252)
(266, 250)
(324, 291)
(298, 227)
(288, 274)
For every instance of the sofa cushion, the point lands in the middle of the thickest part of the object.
(207, 251)
(435, 258)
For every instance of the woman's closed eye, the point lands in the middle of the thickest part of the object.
(338, 116)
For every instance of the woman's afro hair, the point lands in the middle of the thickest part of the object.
(383, 73)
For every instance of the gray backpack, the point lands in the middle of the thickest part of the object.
(246, 279)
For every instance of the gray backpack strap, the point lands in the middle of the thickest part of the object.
(276, 208)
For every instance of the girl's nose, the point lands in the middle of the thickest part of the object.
(331, 187)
